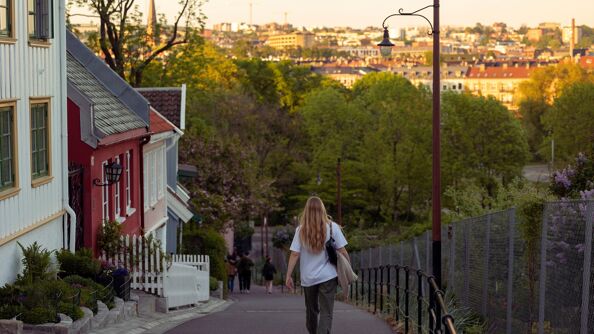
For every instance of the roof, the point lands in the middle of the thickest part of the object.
(587, 62)
(110, 115)
(159, 123)
(522, 72)
(168, 101)
(333, 70)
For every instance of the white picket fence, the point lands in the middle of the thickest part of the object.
(182, 279)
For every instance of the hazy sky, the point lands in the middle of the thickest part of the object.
(361, 13)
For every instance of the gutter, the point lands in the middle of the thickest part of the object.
(64, 130)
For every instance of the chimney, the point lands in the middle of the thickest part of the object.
(505, 65)
(151, 24)
(572, 41)
(482, 67)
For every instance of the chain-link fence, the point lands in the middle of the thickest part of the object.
(490, 267)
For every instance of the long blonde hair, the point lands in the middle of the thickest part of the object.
(312, 224)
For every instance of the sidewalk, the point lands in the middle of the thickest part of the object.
(259, 312)
(158, 323)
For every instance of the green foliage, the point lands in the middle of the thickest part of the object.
(108, 238)
(213, 283)
(243, 230)
(207, 241)
(532, 112)
(37, 264)
(38, 315)
(571, 121)
(82, 263)
(74, 312)
(481, 139)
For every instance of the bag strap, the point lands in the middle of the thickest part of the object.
(331, 236)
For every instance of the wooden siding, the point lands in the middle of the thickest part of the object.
(28, 72)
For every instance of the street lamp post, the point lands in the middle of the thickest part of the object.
(386, 49)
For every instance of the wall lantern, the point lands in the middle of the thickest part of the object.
(112, 171)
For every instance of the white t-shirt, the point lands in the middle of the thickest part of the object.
(316, 268)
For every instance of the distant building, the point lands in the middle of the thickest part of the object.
(303, 40)
(500, 82)
(361, 52)
(566, 35)
(452, 77)
(534, 35)
(343, 74)
(587, 63)
(549, 26)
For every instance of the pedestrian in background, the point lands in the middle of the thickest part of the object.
(268, 271)
(318, 274)
(231, 273)
(244, 268)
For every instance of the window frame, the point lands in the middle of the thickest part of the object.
(37, 181)
(104, 194)
(15, 188)
(10, 18)
(117, 195)
(38, 37)
(128, 186)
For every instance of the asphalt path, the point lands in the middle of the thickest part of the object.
(261, 313)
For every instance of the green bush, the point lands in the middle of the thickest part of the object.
(207, 241)
(108, 238)
(88, 286)
(39, 315)
(213, 283)
(9, 311)
(82, 264)
(74, 313)
(37, 263)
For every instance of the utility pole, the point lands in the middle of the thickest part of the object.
(436, 196)
(338, 196)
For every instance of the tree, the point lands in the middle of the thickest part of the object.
(481, 139)
(547, 82)
(531, 112)
(571, 121)
(124, 42)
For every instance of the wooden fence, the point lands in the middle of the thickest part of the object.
(149, 266)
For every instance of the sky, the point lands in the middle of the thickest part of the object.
(363, 13)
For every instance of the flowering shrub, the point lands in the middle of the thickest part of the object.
(575, 181)
(283, 237)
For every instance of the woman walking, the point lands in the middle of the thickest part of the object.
(268, 271)
(244, 268)
(318, 275)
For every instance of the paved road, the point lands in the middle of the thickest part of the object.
(260, 313)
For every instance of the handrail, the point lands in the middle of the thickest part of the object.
(375, 290)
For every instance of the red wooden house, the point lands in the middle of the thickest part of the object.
(108, 124)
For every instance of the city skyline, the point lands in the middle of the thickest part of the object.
(335, 13)
(300, 13)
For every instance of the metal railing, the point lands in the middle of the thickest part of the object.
(105, 295)
(410, 296)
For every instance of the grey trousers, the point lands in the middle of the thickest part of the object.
(319, 303)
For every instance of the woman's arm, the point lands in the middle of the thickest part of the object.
(344, 252)
(292, 262)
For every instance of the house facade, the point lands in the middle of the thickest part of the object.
(33, 157)
(108, 123)
(170, 102)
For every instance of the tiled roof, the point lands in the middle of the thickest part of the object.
(522, 72)
(159, 123)
(587, 62)
(111, 116)
(168, 101)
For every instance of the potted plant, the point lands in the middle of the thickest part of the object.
(121, 283)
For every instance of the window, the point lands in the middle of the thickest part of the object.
(6, 18)
(127, 175)
(154, 180)
(117, 206)
(105, 193)
(40, 19)
(40, 140)
(160, 172)
(145, 173)
(7, 148)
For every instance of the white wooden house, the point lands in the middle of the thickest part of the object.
(33, 142)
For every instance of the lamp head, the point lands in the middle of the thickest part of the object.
(385, 45)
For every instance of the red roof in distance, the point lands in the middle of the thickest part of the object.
(159, 123)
